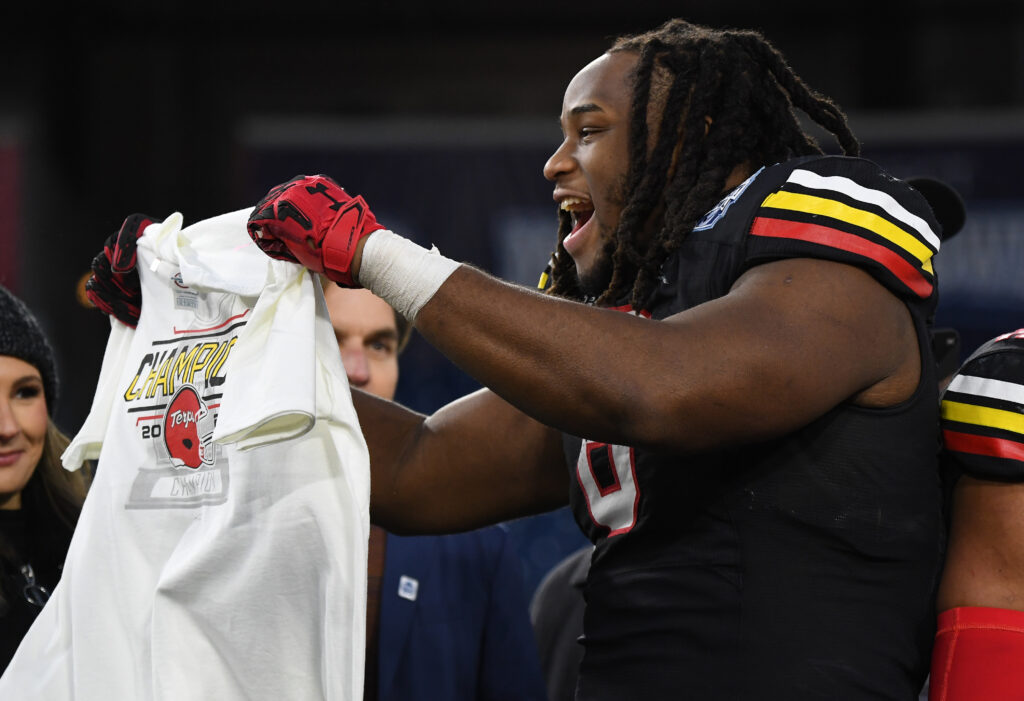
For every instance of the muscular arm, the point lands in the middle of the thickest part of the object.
(792, 339)
(475, 462)
(985, 560)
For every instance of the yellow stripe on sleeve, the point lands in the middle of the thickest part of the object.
(983, 416)
(810, 204)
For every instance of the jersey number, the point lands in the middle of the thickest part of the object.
(607, 476)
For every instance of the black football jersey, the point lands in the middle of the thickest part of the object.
(796, 568)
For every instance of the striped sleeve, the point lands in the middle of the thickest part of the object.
(850, 211)
(983, 411)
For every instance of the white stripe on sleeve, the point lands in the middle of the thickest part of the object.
(838, 183)
(986, 387)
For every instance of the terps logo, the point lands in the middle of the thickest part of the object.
(188, 430)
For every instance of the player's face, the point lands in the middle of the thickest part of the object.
(23, 422)
(364, 325)
(589, 168)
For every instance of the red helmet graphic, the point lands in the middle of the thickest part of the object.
(188, 429)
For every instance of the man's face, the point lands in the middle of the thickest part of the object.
(589, 168)
(364, 325)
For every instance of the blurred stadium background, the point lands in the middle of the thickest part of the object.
(442, 114)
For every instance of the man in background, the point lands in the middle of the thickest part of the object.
(447, 616)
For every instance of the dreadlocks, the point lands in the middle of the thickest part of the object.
(732, 87)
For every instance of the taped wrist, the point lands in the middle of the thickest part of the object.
(402, 273)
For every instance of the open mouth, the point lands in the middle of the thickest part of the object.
(579, 209)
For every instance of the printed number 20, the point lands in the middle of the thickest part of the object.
(607, 476)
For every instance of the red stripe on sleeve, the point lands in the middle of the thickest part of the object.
(983, 445)
(827, 236)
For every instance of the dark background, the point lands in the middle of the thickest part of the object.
(442, 114)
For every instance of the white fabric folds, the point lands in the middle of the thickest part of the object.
(221, 552)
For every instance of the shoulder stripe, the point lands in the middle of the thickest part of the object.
(834, 238)
(982, 445)
(881, 199)
(834, 209)
(987, 387)
(983, 416)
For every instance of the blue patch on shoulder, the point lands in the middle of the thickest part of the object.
(719, 210)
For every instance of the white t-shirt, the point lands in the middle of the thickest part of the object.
(221, 552)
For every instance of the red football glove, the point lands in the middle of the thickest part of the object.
(312, 220)
(114, 287)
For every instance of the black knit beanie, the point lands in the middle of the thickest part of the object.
(21, 337)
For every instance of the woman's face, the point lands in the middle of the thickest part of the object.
(23, 422)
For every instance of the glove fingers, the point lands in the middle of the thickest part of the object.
(125, 312)
(114, 287)
(101, 264)
(266, 202)
(114, 290)
(123, 257)
(275, 248)
(295, 219)
(102, 305)
(109, 282)
(128, 286)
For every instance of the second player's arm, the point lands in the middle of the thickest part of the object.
(985, 558)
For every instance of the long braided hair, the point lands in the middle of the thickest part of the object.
(693, 74)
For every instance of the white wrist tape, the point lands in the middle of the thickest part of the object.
(402, 273)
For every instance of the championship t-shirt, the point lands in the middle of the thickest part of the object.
(221, 552)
